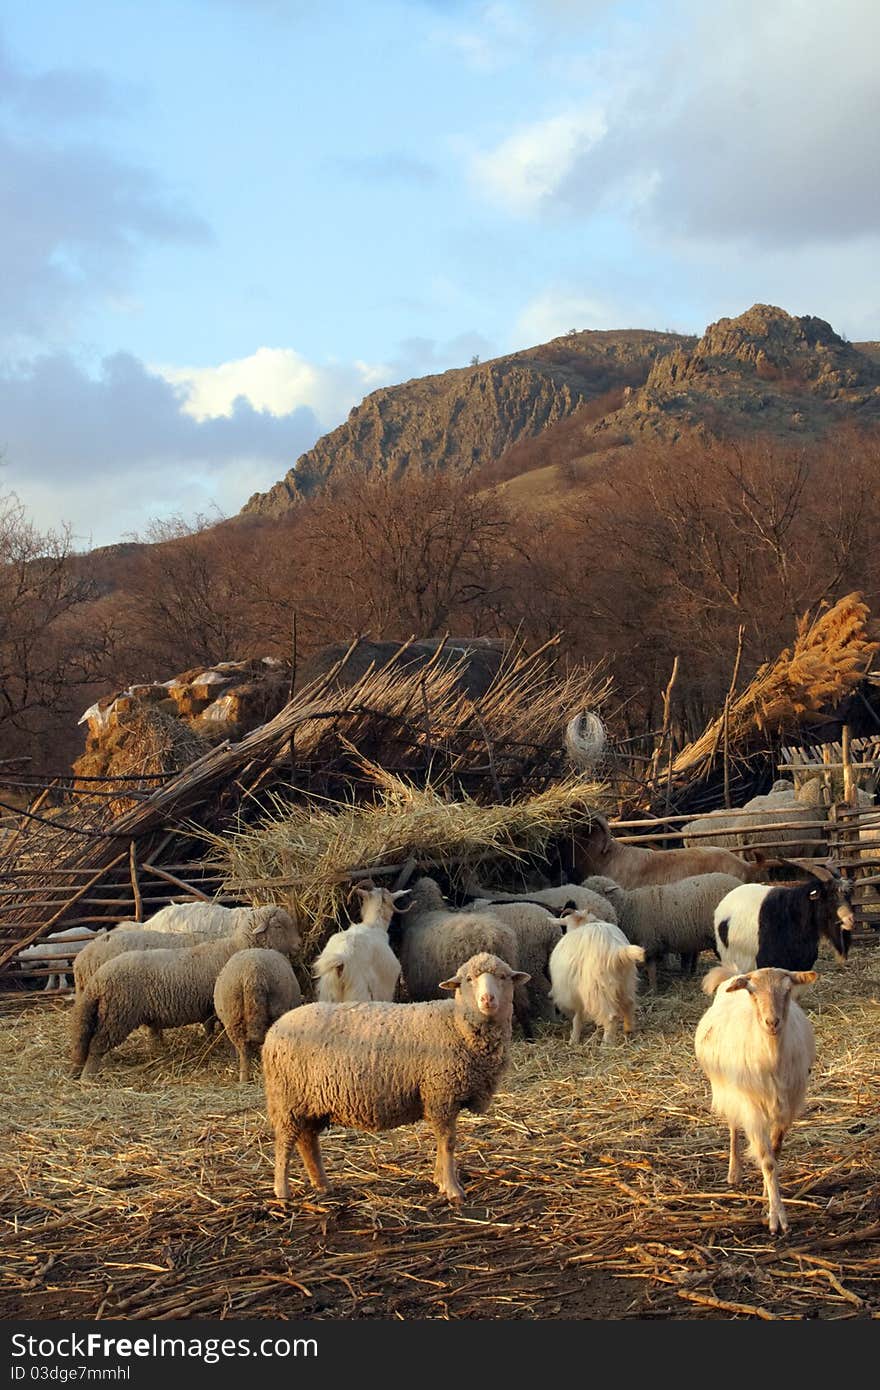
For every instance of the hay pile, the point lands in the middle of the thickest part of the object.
(829, 657)
(302, 855)
(141, 741)
(595, 1187)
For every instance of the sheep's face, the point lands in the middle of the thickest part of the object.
(486, 984)
(771, 993)
(274, 928)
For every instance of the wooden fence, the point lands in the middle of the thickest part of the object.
(39, 898)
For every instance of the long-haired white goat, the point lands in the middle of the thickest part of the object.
(593, 974)
(357, 965)
(756, 1046)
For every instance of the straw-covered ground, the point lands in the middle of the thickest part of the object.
(595, 1186)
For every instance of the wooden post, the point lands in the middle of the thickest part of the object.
(135, 885)
(654, 772)
(827, 780)
(849, 783)
(731, 689)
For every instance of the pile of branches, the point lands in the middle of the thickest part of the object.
(418, 722)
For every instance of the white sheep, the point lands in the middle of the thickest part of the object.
(377, 1066)
(570, 896)
(164, 989)
(210, 919)
(436, 940)
(665, 917)
(127, 936)
(254, 988)
(537, 932)
(357, 964)
(593, 973)
(46, 952)
(756, 1047)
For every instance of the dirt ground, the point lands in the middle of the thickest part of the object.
(595, 1187)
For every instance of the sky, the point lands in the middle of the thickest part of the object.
(223, 222)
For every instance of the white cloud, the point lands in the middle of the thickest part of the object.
(557, 310)
(495, 37)
(276, 381)
(530, 166)
(750, 121)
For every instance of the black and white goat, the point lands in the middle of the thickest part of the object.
(757, 925)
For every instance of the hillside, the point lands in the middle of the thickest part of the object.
(543, 420)
(466, 418)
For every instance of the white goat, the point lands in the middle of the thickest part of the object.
(593, 974)
(756, 1046)
(358, 965)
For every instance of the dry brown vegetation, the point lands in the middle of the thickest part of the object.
(594, 1187)
(653, 552)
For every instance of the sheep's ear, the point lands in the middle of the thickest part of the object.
(741, 982)
(520, 977)
(803, 977)
(451, 985)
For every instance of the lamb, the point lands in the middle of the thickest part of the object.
(435, 941)
(593, 972)
(377, 1066)
(210, 919)
(757, 925)
(126, 936)
(162, 988)
(595, 851)
(756, 1047)
(254, 988)
(537, 932)
(669, 916)
(358, 965)
(569, 896)
(47, 952)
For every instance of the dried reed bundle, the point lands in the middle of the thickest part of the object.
(830, 655)
(303, 855)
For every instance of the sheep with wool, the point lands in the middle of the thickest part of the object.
(436, 940)
(254, 988)
(665, 917)
(537, 932)
(164, 988)
(377, 1066)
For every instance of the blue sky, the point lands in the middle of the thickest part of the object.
(225, 221)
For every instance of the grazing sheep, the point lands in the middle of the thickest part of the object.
(593, 973)
(537, 932)
(669, 916)
(435, 941)
(377, 1066)
(569, 896)
(47, 952)
(209, 919)
(757, 925)
(756, 1047)
(254, 988)
(164, 989)
(595, 851)
(127, 936)
(358, 965)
